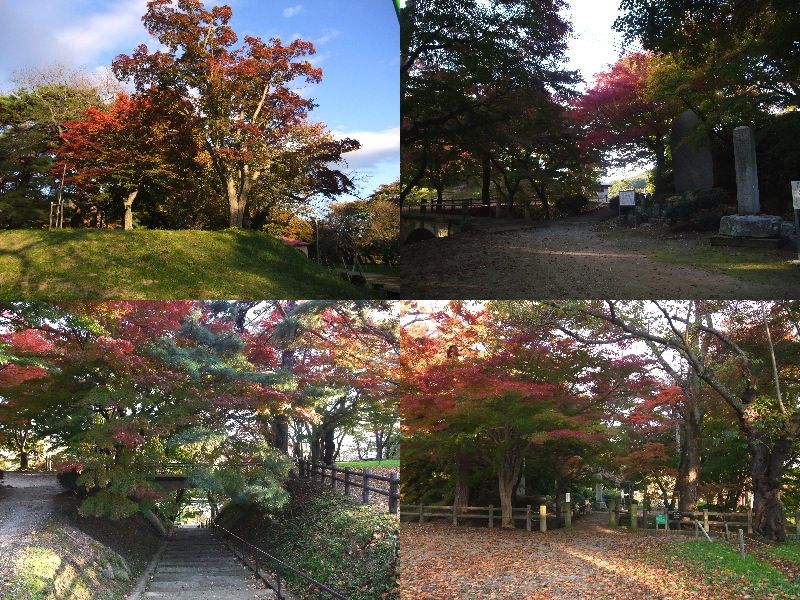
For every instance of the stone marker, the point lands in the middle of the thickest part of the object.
(744, 148)
(753, 226)
(692, 160)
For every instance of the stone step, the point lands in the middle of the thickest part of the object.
(201, 583)
(187, 575)
(215, 595)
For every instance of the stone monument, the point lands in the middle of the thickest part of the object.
(749, 227)
(692, 160)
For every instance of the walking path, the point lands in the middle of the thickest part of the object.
(444, 562)
(23, 508)
(572, 258)
(197, 566)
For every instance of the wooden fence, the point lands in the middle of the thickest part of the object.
(352, 479)
(491, 514)
(725, 524)
(450, 205)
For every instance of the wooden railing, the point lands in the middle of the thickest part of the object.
(352, 479)
(529, 515)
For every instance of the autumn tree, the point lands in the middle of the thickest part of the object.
(250, 117)
(622, 115)
(138, 142)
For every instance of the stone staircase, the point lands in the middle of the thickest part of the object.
(197, 566)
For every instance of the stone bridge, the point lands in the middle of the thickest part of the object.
(417, 226)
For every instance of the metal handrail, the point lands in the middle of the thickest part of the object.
(278, 566)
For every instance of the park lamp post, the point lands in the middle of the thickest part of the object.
(796, 207)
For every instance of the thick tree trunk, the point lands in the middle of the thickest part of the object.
(690, 468)
(439, 197)
(237, 199)
(23, 461)
(128, 203)
(507, 477)
(661, 163)
(329, 445)
(463, 471)
(766, 470)
(378, 445)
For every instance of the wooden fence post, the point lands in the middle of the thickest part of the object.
(567, 515)
(741, 544)
(365, 489)
(455, 515)
(491, 516)
(394, 493)
(347, 481)
(528, 517)
(705, 519)
(421, 514)
(543, 518)
(333, 478)
(633, 511)
(749, 519)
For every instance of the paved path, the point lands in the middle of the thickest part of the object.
(197, 566)
(568, 258)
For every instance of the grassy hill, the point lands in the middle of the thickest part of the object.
(149, 264)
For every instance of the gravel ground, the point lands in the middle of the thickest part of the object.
(569, 258)
(24, 506)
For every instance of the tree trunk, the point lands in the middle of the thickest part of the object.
(766, 471)
(507, 477)
(128, 203)
(463, 471)
(487, 178)
(378, 445)
(439, 198)
(329, 445)
(23, 461)
(237, 199)
(690, 468)
(658, 172)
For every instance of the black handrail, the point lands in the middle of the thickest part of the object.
(278, 566)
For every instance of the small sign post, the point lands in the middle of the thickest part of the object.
(627, 198)
(796, 206)
(602, 196)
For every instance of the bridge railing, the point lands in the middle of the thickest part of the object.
(261, 558)
(449, 205)
(352, 479)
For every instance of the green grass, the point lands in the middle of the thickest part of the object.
(369, 464)
(716, 565)
(114, 264)
(747, 264)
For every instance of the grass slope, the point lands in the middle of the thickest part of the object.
(67, 558)
(333, 538)
(153, 264)
(369, 464)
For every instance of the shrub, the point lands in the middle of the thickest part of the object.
(572, 205)
(700, 210)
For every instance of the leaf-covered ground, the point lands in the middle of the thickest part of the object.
(581, 257)
(90, 264)
(443, 562)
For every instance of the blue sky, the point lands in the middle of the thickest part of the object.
(357, 44)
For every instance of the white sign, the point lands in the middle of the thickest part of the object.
(567, 496)
(602, 196)
(796, 194)
(627, 198)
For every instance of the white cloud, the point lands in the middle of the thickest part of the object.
(104, 30)
(291, 11)
(377, 147)
(327, 36)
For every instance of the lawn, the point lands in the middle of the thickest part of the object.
(153, 264)
(370, 464)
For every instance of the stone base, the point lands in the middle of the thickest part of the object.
(743, 242)
(751, 226)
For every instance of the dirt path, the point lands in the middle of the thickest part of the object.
(23, 508)
(443, 562)
(569, 258)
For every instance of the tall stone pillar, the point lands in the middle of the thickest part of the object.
(744, 148)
